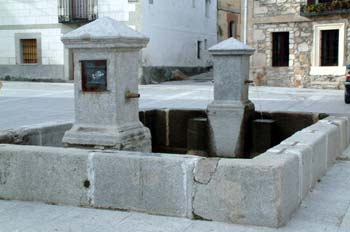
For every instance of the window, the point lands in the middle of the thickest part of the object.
(207, 8)
(199, 47)
(232, 29)
(72, 11)
(280, 49)
(29, 51)
(329, 47)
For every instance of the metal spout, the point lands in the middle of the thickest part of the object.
(129, 95)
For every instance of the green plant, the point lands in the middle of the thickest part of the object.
(329, 6)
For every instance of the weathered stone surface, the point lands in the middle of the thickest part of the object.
(267, 196)
(205, 169)
(344, 125)
(332, 133)
(304, 154)
(230, 111)
(231, 46)
(228, 122)
(318, 142)
(45, 134)
(156, 184)
(51, 175)
(168, 185)
(104, 32)
(108, 118)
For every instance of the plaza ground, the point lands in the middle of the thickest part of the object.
(25, 103)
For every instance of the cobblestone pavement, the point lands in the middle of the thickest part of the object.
(326, 209)
(23, 103)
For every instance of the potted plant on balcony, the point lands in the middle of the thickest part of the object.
(336, 6)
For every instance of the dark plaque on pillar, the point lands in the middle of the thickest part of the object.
(94, 75)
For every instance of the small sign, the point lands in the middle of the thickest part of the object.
(94, 75)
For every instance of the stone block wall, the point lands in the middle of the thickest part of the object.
(284, 16)
(264, 191)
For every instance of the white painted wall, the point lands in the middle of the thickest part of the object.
(174, 26)
(41, 16)
(51, 47)
(22, 12)
(116, 9)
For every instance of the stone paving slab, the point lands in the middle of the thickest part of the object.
(326, 209)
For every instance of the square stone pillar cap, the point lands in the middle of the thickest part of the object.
(105, 33)
(231, 46)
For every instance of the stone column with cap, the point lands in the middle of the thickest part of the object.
(106, 67)
(231, 109)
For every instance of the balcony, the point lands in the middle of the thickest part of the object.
(77, 11)
(325, 7)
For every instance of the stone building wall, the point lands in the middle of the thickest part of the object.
(284, 16)
(229, 10)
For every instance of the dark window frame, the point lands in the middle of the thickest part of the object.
(199, 49)
(280, 49)
(329, 48)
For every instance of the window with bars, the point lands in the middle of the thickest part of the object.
(29, 51)
(329, 48)
(280, 49)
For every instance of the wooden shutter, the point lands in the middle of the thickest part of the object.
(29, 51)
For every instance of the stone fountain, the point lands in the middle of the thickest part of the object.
(106, 55)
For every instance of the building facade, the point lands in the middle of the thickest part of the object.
(229, 19)
(30, 34)
(300, 43)
(31, 30)
(180, 34)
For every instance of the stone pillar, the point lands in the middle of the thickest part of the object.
(106, 68)
(230, 111)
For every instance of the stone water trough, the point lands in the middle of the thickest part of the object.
(106, 159)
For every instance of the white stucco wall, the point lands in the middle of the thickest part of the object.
(174, 27)
(41, 16)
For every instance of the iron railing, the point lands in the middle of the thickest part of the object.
(77, 11)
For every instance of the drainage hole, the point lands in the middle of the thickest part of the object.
(87, 184)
